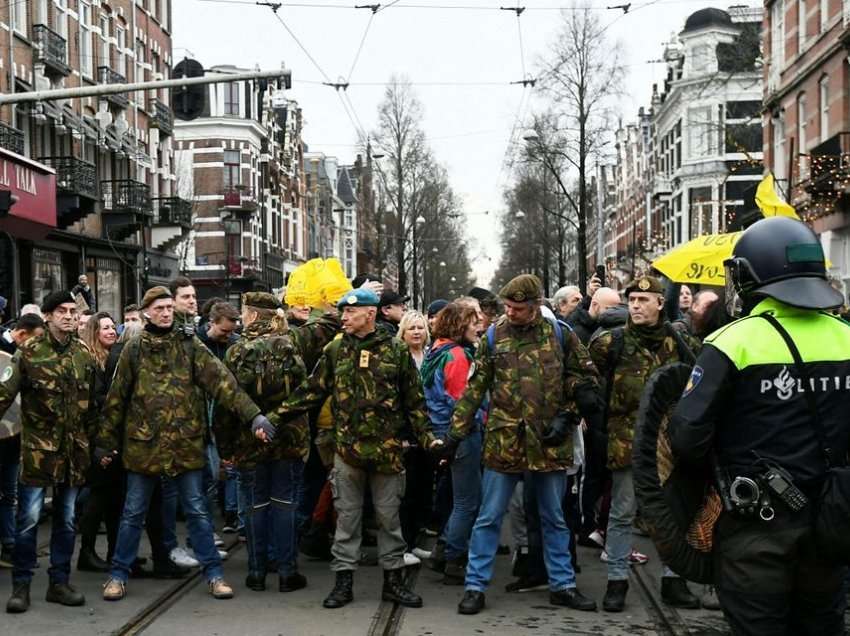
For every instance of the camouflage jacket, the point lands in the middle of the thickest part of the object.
(314, 335)
(640, 357)
(531, 377)
(376, 398)
(56, 384)
(157, 402)
(268, 367)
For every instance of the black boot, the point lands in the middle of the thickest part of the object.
(19, 602)
(471, 603)
(170, 570)
(88, 561)
(292, 582)
(343, 593)
(256, 583)
(64, 594)
(437, 562)
(572, 598)
(454, 572)
(615, 596)
(675, 592)
(397, 592)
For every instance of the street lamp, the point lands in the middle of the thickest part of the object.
(420, 220)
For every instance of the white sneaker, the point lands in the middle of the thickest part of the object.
(597, 538)
(411, 559)
(180, 556)
(218, 540)
(223, 554)
(421, 554)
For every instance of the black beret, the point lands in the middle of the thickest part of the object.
(54, 299)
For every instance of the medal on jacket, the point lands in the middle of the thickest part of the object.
(364, 359)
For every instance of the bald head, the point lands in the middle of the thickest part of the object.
(602, 300)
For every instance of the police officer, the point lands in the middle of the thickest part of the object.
(54, 374)
(535, 371)
(746, 405)
(375, 394)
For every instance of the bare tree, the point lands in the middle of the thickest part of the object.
(581, 74)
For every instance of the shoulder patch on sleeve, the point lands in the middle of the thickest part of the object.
(7, 373)
(693, 381)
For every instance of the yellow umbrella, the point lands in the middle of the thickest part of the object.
(700, 260)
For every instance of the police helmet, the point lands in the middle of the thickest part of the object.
(781, 258)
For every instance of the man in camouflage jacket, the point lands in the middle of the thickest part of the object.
(54, 374)
(376, 394)
(155, 411)
(535, 371)
(268, 366)
(628, 356)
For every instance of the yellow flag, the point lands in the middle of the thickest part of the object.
(769, 202)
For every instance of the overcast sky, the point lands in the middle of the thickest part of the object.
(472, 54)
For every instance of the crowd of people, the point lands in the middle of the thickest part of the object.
(311, 427)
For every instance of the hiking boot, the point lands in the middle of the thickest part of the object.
(675, 592)
(615, 596)
(572, 598)
(343, 593)
(256, 583)
(292, 582)
(528, 583)
(170, 570)
(454, 572)
(471, 603)
(19, 602)
(219, 589)
(88, 561)
(64, 594)
(396, 591)
(113, 590)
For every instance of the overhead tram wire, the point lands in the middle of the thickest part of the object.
(399, 4)
(360, 48)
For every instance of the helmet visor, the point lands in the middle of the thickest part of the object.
(734, 304)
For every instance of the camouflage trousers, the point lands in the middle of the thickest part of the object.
(348, 485)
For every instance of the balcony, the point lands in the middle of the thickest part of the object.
(244, 267)
(239, 199)
(107, 76)
(50, 50)
(172, 211)
(126, 207)
(661, 186)
(161, 117)
(73, 175)
(11, 138)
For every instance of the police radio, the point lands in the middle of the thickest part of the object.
(778, 481)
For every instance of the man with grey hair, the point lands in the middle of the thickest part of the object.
(565, 300)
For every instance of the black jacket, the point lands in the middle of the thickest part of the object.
(583, 324)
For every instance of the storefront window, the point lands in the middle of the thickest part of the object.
(47, 274)
(105, 278)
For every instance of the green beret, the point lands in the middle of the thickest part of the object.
(525, 287)
(646, 285)
(154, 294)
(261, 300)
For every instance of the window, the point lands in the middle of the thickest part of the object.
(105, 57)
(231, 169)
(701, 59)
(779, 159)
(42, 17)
(121, 45)
(86, 53)
(700, 139)
(777, 35)
(48, 274)
(61, 21)
(824, 15)
(19, 17)
(801, 132)
(824, 107)
(231, 98)
(801, 25)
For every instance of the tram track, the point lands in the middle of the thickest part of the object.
(666, 619)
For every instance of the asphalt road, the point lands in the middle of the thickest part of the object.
(166, 608)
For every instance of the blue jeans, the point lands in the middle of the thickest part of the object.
(231, 488)
(211, 471)
(24, 557)
(497, 490)
(270, 495)
(466, 495)
(8, 501)
(169, 514)
(189, 485)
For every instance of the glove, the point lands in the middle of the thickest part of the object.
(261, 423)
(446, 449)
(100, 454)
(559, 429)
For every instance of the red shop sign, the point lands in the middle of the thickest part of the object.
(33, 183)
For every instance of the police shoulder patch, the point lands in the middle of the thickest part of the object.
(7, 374)
(693, 381)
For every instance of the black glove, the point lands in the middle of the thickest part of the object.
(447, 449)
(559, 429)
(101, 453)
(261, 423)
